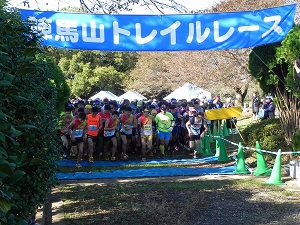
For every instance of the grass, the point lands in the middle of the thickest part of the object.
(174, 201)
(245, 201)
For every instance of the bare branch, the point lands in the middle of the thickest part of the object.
(117, 6)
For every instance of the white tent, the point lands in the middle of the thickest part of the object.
(131, 95)
(189, 91)
(104, 94)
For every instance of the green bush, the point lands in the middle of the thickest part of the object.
(268, 133)
(296, 141)
(30, 96)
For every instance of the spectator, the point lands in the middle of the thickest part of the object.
(265, 108)
(255, 105)
(271, 108)
(297, 67)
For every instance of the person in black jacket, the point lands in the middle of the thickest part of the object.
(255, 105)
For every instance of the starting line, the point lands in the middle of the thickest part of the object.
(144, 172)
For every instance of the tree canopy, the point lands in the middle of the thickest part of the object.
(272, 66)
(88, 72)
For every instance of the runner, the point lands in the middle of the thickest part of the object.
(197, 128)
(110, 128)
(145, 125)
(155, 142)
(66, 120)
(94, 123)
(77, 130)
(165, 122)
(105, 115)
(128, 121)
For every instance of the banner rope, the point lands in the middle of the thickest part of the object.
(254, 149)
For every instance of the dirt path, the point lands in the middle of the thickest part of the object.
(52, 212)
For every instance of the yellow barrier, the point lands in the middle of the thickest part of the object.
(223, 113)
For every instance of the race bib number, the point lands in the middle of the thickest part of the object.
(127, 127)
(147, 132)
(109, 133)
(147, 127)
(78, 133)
(195, 130)
(92, 127)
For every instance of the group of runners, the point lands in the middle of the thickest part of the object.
(112, 130)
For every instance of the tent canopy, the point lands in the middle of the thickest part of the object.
(104, 94)
(189, 91)
(131, 95)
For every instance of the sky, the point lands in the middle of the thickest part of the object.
(55, 5)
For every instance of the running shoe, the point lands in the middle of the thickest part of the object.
(143, 159)
(91, 160)
(78, 165)
(113, 158)
(125, 157)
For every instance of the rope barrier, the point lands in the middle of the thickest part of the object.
(254, 149)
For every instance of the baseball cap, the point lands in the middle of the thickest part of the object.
(133, 107)
(153, 111)
(80, 102)
(139, 103)
(173, 107)
(163, 107)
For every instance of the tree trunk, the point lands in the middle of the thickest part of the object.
(289, 114)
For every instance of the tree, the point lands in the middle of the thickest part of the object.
(30, 96)
(158, 74)
(234, 63)
(58, 83)
(88, 72)
(272, 66)
(150, 76)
